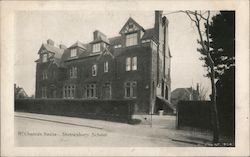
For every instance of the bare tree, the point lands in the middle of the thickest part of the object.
(202, 92)
(199, 18)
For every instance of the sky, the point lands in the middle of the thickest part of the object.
(32, 28)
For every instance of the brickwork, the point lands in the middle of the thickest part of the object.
(136, 72)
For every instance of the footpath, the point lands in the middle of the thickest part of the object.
(155, 127)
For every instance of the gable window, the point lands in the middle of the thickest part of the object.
(90, 91)
(44, 92)
(69, 91)
(44, 57)
(106, 66)
(94, 70)
(73, 72)
(130, 89)
(131, 63)
(73, 53)
(97, 47)
(44, 75)
(131, 39)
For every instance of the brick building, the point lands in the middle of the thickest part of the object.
(133, 65)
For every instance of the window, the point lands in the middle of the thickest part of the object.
(44, 92)
(44, 57)
(73, 72)
(131, 63)
(117, 46)
(145, 41)
(134, 63)
(130, 89)
(73, 53)
(90, 91)
(69, 91)
(128, 64)
(44, 75)
(131, 39)
(106, 66)
(94, 70)
(97, 47)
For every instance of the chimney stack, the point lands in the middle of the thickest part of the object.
(50, 42)
(99, 35)
(158, 21)
(61, 46)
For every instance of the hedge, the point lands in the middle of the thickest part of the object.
(112, 110)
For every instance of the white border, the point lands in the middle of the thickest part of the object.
(8, 9)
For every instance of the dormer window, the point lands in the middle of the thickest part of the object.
(97, 47)
(44, 57)
(73, 52)
(131, 39)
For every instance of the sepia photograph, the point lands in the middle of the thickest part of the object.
(151, 79)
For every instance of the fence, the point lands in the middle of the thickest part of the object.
(112, 110)
(194, 114)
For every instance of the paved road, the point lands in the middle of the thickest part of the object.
(47, 130)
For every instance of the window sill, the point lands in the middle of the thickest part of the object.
(130, 97)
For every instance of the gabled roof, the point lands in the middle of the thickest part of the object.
(58, 62)
(106, 52)
(78, 44)
(149, 34)
(57, 51)
(130, 20)
(115, 40)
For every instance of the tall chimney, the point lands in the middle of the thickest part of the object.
(50, 42)
(158, 21)
(61, 46)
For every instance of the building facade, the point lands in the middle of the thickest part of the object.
(133, 65)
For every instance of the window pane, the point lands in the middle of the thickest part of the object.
(128, 64)
(134, 63)
(44, 57)
(134, 91)
(73, 53)
(96, 47)
(127, 94)
(131, 39)
(94, 70)
(106, 65)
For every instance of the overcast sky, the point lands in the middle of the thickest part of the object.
(34, 27)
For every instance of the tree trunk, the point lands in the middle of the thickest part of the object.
(215, 118)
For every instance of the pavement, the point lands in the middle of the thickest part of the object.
(156, 131)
